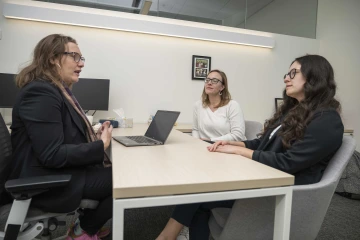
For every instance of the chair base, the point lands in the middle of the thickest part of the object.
(352, 196)
(30, 233)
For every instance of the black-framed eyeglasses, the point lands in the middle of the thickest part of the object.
(292, 73)
(212, 80)
(77, 57)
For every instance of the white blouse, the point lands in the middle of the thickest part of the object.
(225, 123)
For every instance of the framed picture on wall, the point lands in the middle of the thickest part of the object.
(201, 66)
(278, 102)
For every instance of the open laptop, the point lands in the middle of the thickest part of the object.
(156, 134)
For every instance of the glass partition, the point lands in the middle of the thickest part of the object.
(289, 17)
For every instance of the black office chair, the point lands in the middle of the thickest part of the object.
(18, 220)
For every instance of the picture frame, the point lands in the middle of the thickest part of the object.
(201, 66)
(278, 102)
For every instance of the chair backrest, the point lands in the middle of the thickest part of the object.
(252, 128)
(310, 202)
(5, 159)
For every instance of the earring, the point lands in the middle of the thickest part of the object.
(220, 93)
(58, 65)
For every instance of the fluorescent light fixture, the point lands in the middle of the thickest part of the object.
(117, 21)
(145, 8)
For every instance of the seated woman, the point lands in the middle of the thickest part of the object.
(216, 116)
(51, 135)
(300, 139)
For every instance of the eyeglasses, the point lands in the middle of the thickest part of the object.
(77, 57)
(212, 80)
(292, 73)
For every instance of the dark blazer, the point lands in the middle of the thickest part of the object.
(48, 137)
(306, 159)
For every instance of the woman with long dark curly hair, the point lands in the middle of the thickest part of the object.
(300, 139)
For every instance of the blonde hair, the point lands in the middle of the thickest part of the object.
(225, 96)
(42, 65)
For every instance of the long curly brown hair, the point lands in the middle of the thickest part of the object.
(320, 89)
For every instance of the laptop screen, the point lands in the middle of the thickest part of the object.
(161, 125)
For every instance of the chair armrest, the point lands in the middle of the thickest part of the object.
(24, 188)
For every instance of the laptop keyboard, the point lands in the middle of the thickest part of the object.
(141, 139)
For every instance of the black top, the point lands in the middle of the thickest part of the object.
(48, 138)
(306, 159)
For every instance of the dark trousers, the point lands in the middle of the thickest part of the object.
(196, 216)
(98, 186)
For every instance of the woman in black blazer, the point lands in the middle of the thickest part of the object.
(300, 139)
(51, 135)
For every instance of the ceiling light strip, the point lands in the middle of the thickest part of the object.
(68, 17)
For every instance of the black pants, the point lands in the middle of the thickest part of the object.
(196, 216)
(98, 186)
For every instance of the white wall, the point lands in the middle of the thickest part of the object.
(150, 72)
(290, 17)
(338, 30)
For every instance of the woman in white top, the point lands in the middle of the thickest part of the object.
(216, 116)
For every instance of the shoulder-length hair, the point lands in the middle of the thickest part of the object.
(225, 94)
(320, 90)
(42, 65)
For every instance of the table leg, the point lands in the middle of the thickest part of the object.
(283, 216)
(282, 208)
(118, 220)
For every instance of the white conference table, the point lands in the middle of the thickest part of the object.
(183, 171)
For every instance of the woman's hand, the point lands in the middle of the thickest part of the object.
(231, 149)
(212, 148)
(105, 133)
(228, 149)
(99, 131)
